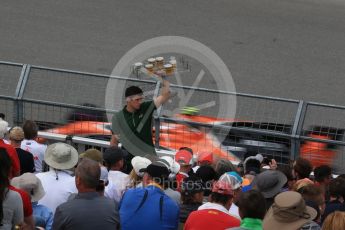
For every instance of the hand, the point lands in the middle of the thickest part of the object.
(114, 141)
(161, 73)
(273, 164)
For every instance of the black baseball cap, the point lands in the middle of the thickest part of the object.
(158, 169)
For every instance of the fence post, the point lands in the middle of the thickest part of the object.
(297, 128)
(156, 118)
(18, 104)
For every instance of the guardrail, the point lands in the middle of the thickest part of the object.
(278, 127)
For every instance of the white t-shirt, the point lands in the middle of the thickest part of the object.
(13, 210)
(118, 182)
(37, 151)
(57, 190)
(234, 210)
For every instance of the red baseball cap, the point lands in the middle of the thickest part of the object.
(183, 157)
(205, 157)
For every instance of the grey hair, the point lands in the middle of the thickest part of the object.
(3, 128)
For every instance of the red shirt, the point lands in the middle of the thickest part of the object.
(27, 206)
(12, 153)
(210, 219)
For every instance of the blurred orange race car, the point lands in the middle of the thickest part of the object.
(230, 140)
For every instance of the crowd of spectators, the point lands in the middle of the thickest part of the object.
(55, 187)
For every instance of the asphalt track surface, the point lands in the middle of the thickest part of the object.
(285, 48)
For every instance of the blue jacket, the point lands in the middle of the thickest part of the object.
(43, 216)
(148, 207)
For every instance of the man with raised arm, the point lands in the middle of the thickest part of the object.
(132, 126)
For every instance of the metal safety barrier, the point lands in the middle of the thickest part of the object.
(276, 127)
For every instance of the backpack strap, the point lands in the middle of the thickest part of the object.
(161, 206)
(147, 115)
(142, 201)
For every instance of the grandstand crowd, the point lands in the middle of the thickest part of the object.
(55, 187)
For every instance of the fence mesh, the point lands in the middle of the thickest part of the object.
(231, 125)
(9, 77)
(7, 108)
(328, 124)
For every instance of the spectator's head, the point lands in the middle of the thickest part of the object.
(252, 166)
(31, 184)
(139, 165)
(61, 156)
(335, 220)
(223, 166)
(87, 175)
(315, 194)
(207, 174)
(287, 170)
(192, 190)
(157, 172)
(134, 97)
(96, 155)
(30, 130)
(174, 167)
(252, 204)
(302, 168)
(114, 158)
(269, 183)
(288, 212)
(204, 158)
(235, 181)
(3, 128)
(185, 159)
(93, 154)
(337, 189)
(16, 136)
(323, 174)
(302, 183)
(187, 149)
(222, 194)
(132, 91)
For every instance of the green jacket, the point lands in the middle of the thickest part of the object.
(249, 224)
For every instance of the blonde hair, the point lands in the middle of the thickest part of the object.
(17, 134)
(134, 179)
(334, 221)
